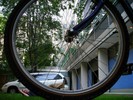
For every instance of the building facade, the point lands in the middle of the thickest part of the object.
(81, 74)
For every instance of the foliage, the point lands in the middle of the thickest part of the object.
(2, 24)
(79, 9)
(34, 40)
(37, 30)
(3, 63)
(8, 6)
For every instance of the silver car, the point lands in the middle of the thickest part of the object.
(13, 87)
(54, 80)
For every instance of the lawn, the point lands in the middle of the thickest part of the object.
(102, 97)
(114, 97)
(18, 97)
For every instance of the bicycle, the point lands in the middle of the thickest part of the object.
(87, 42)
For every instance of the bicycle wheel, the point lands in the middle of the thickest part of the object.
(95, 59)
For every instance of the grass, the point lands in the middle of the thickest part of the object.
(18, 97)
(102, 97)
(114, 97)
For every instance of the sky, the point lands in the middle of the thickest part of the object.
(1, 10)
(68, 16)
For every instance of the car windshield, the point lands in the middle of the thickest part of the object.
(42, 77)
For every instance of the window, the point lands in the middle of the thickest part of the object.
(42, 77)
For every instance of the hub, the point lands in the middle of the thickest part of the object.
(69, 36)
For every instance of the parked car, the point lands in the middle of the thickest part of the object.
(13, 87)
(54, 80)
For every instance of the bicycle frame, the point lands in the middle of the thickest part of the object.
(20, 28)
(85, 22)
(128, 9)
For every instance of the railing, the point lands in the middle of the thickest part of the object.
(87, 42)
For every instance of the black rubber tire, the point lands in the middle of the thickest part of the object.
(50, 95)
(12, 90)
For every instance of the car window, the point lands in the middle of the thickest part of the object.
(42, 77)
(57, 77)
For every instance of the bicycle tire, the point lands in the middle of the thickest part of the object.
(52, 94)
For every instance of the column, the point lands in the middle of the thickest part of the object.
(74, 80)
(84, 75)
(102, 63)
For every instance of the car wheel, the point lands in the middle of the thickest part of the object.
(12, 90)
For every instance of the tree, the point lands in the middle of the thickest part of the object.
(3, 64)
(8, 6)
(37, 29)
(32, 40)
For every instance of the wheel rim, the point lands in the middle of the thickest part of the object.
(91, 56)
(12, 91)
